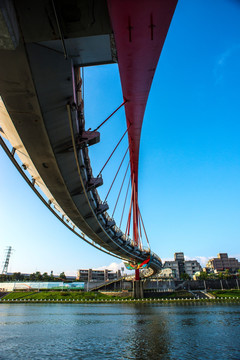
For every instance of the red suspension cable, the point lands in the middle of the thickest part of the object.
(135, 215)
(127, 231)
(125, 201)
(120, 190)
(113, 151)
(130, 212)
(116, 174)
(144, 228)
(123, 103)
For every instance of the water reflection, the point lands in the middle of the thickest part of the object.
(149, 336)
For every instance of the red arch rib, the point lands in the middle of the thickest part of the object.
(140, 28)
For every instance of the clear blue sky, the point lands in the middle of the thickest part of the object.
(189, 171)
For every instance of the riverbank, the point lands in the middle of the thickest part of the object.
(71, 297)
(127, 301)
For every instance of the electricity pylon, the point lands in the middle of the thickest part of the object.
(6, 262)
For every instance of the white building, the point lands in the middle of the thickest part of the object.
(173, 265)
(180, 266)
(167, 273)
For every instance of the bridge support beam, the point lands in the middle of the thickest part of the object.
(138, 289)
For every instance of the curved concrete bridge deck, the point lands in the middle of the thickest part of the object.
(40, 87)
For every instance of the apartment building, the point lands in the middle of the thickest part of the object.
(222, 263)
(180, 266)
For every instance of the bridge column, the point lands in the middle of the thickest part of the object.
(137, 276)
(138, 289)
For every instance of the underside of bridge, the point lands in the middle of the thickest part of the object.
(43, 45)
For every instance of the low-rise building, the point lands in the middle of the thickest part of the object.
(173, 265)
(97, 275)
(222, 263)
(167, 273)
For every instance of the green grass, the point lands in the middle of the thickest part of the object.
(226, 293)
(57, 295)
(82, 296)
(73, 296)
(182, 294)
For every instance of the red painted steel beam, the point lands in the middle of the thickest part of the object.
(140, 28)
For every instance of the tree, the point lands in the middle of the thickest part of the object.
(227, 274)
(62, 275)
(38, 276)
(185, 276)
(212, 276)
(17, 276)
(203, 275)
(220, 275)
(32, 277)
(3, 277)
(51, 276)
(45, 276)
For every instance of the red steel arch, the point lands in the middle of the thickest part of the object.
(140, 28)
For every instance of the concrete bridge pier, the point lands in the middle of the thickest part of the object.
(138, 289)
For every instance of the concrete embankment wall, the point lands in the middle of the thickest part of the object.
(208, 284)
(173, 285)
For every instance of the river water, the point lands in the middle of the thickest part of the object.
(119, 331)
